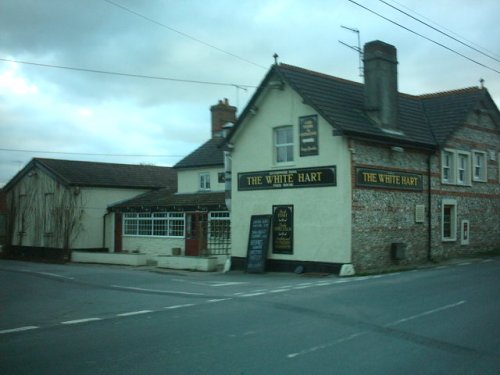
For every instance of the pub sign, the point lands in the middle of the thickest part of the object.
(283, 229)
(288, 178)
(308, 135)
(381, 178)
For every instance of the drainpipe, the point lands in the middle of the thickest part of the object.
(429, 176)
(104, 229)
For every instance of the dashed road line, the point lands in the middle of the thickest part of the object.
(80, 321)
(140, 312)
(173, 307)
(157, 290)
(55, 275)
(18, 329)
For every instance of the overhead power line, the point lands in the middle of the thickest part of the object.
(444, 28)
(90, 154)
(127, 74)
(427, 38)
(439, 31)
(182, 33)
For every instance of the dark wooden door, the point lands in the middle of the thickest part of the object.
(118, 232)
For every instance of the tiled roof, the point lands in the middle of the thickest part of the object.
(207, 155)
(164, 199)
(447, 110)
(424, 121)
(93, 174)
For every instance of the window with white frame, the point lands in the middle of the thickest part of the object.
(456, 167)
(205, 181)
(283, 144)
(448, 166)
(219, 225)
(157, 224)
(479, 166)
(449, 220)
(463, 168)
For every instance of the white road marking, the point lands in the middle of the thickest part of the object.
(79, 321)
(252, 294)
(217, 300)
(19, 329)
(327, 345)
(178, 306)
(55, 275)
(135, 313)
(357, 334)
(228, 283)
(157, 290)
(442, 308)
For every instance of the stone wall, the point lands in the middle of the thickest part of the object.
(383, 216)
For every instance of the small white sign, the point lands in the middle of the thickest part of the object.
(419, 213)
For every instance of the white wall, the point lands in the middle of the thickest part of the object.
(188, 181)
(322, 215)
(152, 245)
(96, 201)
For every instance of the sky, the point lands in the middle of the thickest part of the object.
(198, 52)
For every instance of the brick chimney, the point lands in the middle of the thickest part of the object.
(222, 113)
(381, 84)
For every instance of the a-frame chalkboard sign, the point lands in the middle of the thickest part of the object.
(258, 243)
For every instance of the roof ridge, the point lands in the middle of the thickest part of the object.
(464, 90)
(96, 162)
(318, 74)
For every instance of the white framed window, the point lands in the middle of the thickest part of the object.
(205, 181)
(219, 225)
(463, 168)
(449, 220)
(479, 166)
(157, 224)
(448, 167)
(283, 144)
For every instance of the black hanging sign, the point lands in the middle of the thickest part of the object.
(283, 229)
(308, 135)
(258, 243)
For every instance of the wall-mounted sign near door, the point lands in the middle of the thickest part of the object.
(283, 229)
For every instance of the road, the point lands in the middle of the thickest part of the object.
(85, 319)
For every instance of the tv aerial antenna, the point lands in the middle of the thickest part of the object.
(356, 48)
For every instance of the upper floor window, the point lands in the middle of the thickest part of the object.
(463, 168)
(205, 181)
(447, 167)
(283, 143)
(456, 167)
(479, 166)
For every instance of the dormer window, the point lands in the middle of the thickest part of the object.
(204, 181)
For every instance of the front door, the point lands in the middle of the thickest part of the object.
(196, 233)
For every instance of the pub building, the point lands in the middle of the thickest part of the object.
(329, 175)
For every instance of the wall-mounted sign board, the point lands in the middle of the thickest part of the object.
(381, 178)
(288, 178)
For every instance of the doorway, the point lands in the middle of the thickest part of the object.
(196, 233)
